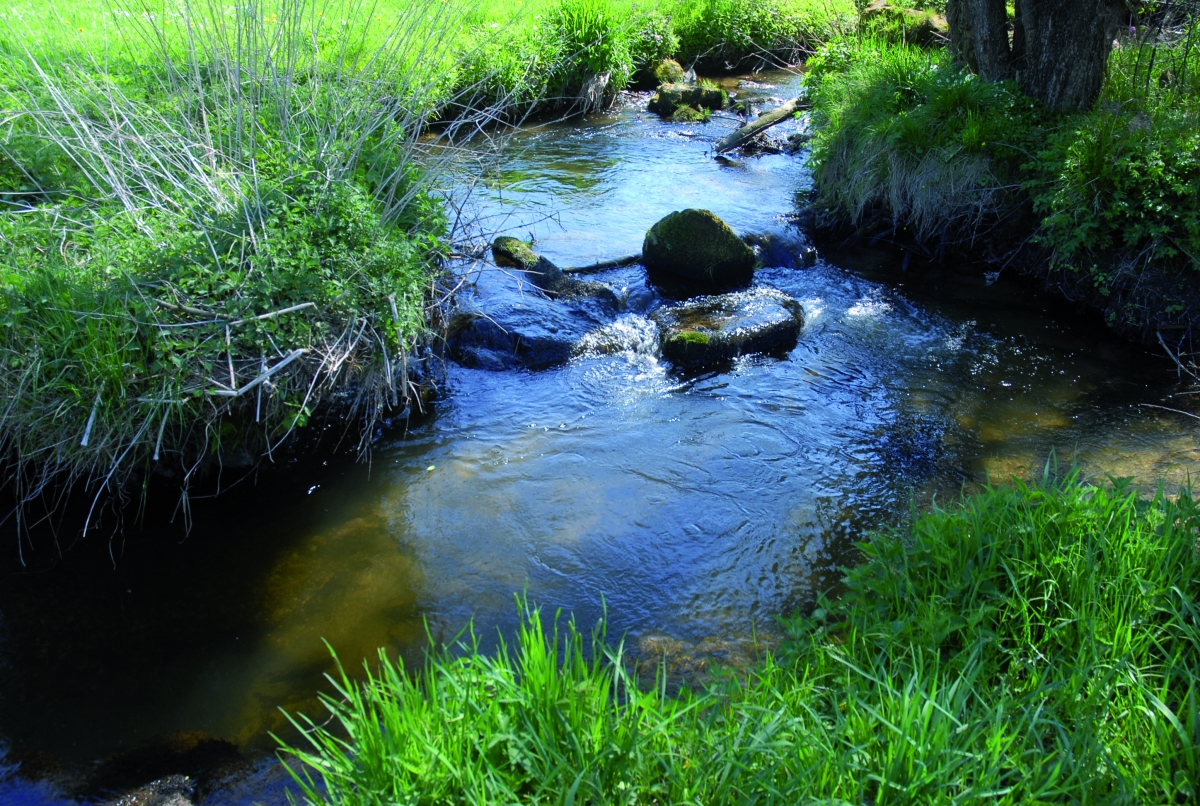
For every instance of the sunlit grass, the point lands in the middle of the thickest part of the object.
(1032, 644)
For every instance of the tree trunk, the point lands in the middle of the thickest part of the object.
(1058, 52)
(979, 37)
(1066, 44)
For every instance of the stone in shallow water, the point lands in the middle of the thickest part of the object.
(513, 253)
(710, 330)
(672, 96)
(529, 331)
(696, 251)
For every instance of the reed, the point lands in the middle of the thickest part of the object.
(213, 227)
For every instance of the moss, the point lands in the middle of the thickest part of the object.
(672, 96)
(668, 71)
(513, 253)
(699, 246)
(688, 338)
(687, 114)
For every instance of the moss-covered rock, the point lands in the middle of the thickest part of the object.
(697, 252)
(672, 96)
(516, 254)
(911, 26)
(710, 330)
(687, 114)
(668, 71)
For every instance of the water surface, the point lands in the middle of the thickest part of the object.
(692, 508)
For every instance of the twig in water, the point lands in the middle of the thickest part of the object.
(1178, 364)
(1176, 411)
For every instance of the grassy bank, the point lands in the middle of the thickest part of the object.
(1103, 204)
(1032, 644)
(216, 219)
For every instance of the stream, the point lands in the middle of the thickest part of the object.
(691, 509)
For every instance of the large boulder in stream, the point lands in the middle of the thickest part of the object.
(712, 330)
(669, 71)
(672, 96)
(697, 252)
(556, 283)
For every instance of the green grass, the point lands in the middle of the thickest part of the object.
(203, 242)
(193, 194)
(902, 131)
(1032, 644)
(909, 142)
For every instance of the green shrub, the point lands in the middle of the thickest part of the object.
(596, 41)
(1118, 188)
(725, 32)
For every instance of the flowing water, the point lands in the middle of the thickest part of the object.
(692, 508)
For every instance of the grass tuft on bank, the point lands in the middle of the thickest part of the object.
(215, 219)
(1105, 204)
(1038, 643)
(207, 234)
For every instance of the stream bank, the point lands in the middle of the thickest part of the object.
(692, 507)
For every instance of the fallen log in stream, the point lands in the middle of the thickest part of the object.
(760, 123)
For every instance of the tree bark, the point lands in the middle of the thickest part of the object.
(979, 37)
(1058, 51)
(1066, 45)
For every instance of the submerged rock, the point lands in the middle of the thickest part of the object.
(672, 96)
(710, 330)
(516, 254)
(526, 331)
(686, 114)
(697, 252)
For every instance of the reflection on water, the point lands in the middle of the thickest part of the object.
(692, 508)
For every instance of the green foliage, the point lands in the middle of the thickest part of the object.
(731, 30)
(1112, 194)
(1035, 644)
(900, 129)
(596, 39)
(1121, 183)
(179, 234)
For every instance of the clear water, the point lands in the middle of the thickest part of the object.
(691, 508)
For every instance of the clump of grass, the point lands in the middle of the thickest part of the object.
(233, 228)
(727, 34)
(1035, 643)
(902, 133)
(1107, 197)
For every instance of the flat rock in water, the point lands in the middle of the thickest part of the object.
(516, 254)
(526, 331)
(711, 330)
(694, 252)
